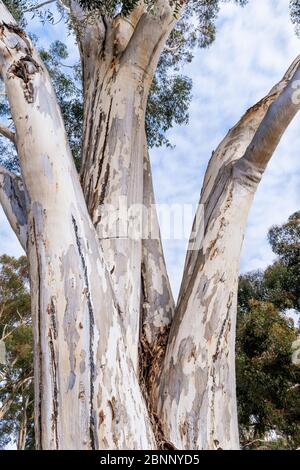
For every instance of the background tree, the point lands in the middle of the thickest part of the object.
(16, 374)
(267, 381)
(103, 312)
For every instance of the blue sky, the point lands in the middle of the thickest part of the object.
(254, 47)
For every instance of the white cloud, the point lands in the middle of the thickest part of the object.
(254, 47)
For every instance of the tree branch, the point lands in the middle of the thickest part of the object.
(6, 404)
(200, 350)
(38, 5)
(278, 117)
(6, 132)
(150, 35)
(232, 149)
(13, 201)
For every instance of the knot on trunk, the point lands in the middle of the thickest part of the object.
(17, 46)
(25, 68)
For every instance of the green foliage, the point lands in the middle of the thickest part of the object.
(17, 7)
(167, 105)
(267, 381)
(67, 83)
(16, 376)
(280, 282)
(295, 14)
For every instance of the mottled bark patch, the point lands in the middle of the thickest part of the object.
(72, 288)
(24, 69)
(80, 248)
(18, 199)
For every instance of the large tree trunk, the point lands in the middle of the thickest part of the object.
(118, 70)
(87, 394)
(196, 396)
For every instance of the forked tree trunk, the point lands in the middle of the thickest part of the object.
(99, 299)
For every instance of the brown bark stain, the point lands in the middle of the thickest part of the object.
(24, 69)
(112, 404)
(101, 417)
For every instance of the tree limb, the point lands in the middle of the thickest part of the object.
(6, 132)
(157, 300)
(202, 356)
(149, 37)
(278, 117)
(13, 201)
(38, 5)
(232, 149)
(6, 404)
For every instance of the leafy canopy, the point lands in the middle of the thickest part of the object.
(267, 382)
(16, 375)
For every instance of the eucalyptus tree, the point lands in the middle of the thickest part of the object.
(16, 374)
(112, 353)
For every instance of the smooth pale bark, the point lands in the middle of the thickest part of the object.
(86, 391)
(117, 76)
(158, 305)
(196, 396)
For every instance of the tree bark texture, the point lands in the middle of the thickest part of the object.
(117, 366)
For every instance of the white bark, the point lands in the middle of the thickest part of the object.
(117, 77)
(87, 394)
(196, 396)
(157, 299)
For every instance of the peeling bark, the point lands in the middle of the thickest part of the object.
(117, 77)
(81, 362)
(158, 305)
(196, 395)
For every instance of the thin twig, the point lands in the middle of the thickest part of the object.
(38, 5)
